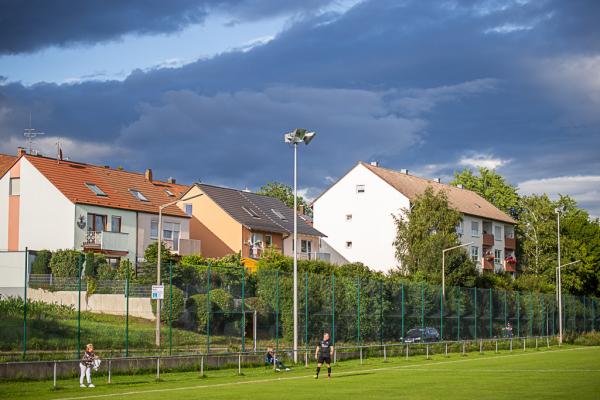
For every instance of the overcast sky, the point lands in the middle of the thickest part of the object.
(205, 89)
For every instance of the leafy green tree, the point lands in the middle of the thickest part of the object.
(491, 186)
(286, 194)
(422, 232)
(65, 263)
(41, 264)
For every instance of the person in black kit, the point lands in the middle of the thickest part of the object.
(323, 354)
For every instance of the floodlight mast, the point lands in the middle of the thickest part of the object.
(295, 137)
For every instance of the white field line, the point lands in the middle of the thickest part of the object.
(261, 381)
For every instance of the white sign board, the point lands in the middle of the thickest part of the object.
(158, 292)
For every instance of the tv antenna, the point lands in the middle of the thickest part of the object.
(30, 133)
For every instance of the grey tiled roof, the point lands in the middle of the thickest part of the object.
(236, 202)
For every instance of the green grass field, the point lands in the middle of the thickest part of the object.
(566, 373)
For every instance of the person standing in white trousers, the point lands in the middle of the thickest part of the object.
(86, 364)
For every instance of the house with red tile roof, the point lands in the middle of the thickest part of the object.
(356, 213)
(46, 203)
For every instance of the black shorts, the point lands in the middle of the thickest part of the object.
(324, 360)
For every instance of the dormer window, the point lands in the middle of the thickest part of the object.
(138, 195)
(251, 212)
(97, 191)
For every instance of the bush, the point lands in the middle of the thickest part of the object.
(198, 308)
(583, 339)
(178, 304)
(125, 270)
(105, 272)
(41, 264)
(222, 301)
(90, 267)
(65, 263)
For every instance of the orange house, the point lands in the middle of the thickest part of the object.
(234, 221)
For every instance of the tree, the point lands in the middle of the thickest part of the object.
(286, 194)
(41, 264)
(422, 232)
(491, 186)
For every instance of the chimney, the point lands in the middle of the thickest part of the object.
(404, 171)
(375, 163)
(21, 151)
(301, 209)
(148, 175)
(460, 186)
(171, 180)
(438, 180)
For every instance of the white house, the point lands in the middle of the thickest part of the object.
(53, 204)
(356, 213)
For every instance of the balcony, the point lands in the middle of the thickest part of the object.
(314, 256)
(510, 264)
(488, 239)
(510, 243)
(104, 241)
(488, 263)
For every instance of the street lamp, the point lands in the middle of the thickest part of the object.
(160, 209)
(560, 327)
(295, 137)
(444, 264)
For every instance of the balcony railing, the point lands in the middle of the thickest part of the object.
(488, 239)
(510, 243)
(314, 256)
(488, 264)
(105, 240)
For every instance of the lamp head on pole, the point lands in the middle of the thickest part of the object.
(299, 135)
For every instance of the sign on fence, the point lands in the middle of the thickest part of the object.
(158, 292)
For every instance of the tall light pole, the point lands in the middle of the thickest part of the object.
(160, 209)
(444, 264)
(560, 327)
(294, 138)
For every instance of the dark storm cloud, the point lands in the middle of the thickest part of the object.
(411, 84)
(27, 26)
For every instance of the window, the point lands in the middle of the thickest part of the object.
(498, 232)
(459, 228)
(154, 230)
(94, 188)
(169, 193)
(360, 189)
(278, 214)
(305, 246)
(115, 224)
(268, 240)
(138, 195)
(348, 217)
(348, 245)
(475, 228)
(251, 212)
(189, 209)
(96, 222)
(15, 187)
(475, 253)
(497, 257)
(114, 262)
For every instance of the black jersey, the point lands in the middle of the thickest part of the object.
(325, 348)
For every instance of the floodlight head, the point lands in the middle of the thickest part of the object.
(308, 136)
(299, 135)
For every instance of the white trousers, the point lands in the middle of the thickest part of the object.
(85, 371)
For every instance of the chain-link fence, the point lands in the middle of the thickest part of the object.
(222, 309)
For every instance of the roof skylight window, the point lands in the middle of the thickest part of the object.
(278, 214)
(97, 191)
(138, 195)
(251, 212)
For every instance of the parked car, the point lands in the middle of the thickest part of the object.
(422, 335)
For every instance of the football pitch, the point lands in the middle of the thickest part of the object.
(561, 373)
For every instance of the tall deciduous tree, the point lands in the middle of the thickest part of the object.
(491, 186)
(422, 232)
(284, 193)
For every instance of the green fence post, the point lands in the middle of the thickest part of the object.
(127, 313)
(543, 317)
(25, 303)
(358, 310)
(402, 291)
(518, 314)
(422, 305)
(79, 265)
(208, 309)
(475, 311)
(170, 308)
(277, 310)
(306, 310)
(593, 315)
(491, 313)
(441, 315)
(333, 308)
(243, 309)
(458, 313)
(584, 313)
(505, 322)
(530, 314)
